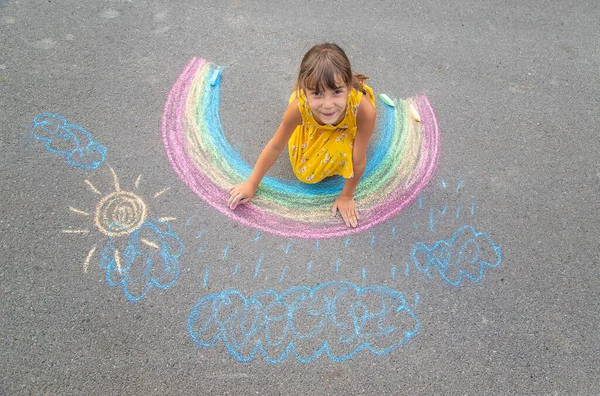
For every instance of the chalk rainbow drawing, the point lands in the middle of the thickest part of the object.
(336, 319)
(401, 163)
(70, 140)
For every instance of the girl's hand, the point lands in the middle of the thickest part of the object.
(240, 194)
(348, 210)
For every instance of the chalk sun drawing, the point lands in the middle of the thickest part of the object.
(336, 319)
(151, 254)
(70, 140)
(401, 163)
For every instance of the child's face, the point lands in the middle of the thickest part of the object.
(328, 106)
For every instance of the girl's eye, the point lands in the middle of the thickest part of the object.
(337, 91)
(316, 93)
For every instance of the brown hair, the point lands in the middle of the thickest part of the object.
(322, 64)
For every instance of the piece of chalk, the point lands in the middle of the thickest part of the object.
(386, 99)
(215, 76)
(414, 113)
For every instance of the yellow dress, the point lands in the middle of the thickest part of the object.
(318, 151)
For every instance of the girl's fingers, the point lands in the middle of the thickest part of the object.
(352, 219)
(346, 220)
(233, 198)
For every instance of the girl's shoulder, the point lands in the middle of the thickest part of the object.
(368, 92)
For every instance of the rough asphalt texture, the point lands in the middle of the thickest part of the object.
(514, 85)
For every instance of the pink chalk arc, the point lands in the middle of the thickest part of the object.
(401, 164)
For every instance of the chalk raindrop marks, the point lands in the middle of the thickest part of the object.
(225, 252)
(201, 248)
(257, 268)
(337, 264)
(205, 281)
(460, 183)
(187, 223)
(283, 274)
(257, 237)
(431, 221)
(309, 266)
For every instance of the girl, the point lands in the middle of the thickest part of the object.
(327, 126)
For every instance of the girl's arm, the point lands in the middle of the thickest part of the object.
(242, 193)
(365, 120)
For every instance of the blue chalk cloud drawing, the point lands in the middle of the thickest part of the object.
(336, 319)
(150, 259)
(70, 140)
(466, 255)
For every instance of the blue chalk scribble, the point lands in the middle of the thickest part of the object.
(206, 273)
(336, 319)
(70, 140)
(467, 254)
(150, 259)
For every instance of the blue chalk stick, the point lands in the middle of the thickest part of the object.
(215, 76)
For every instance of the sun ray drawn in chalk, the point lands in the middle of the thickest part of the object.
(150, 243)
(79, 212)
(92, 187)
(86, 263)
(75, 231)
(158, 194)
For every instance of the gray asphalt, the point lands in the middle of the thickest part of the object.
(514, 87)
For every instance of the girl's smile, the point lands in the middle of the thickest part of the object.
(328, 106)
